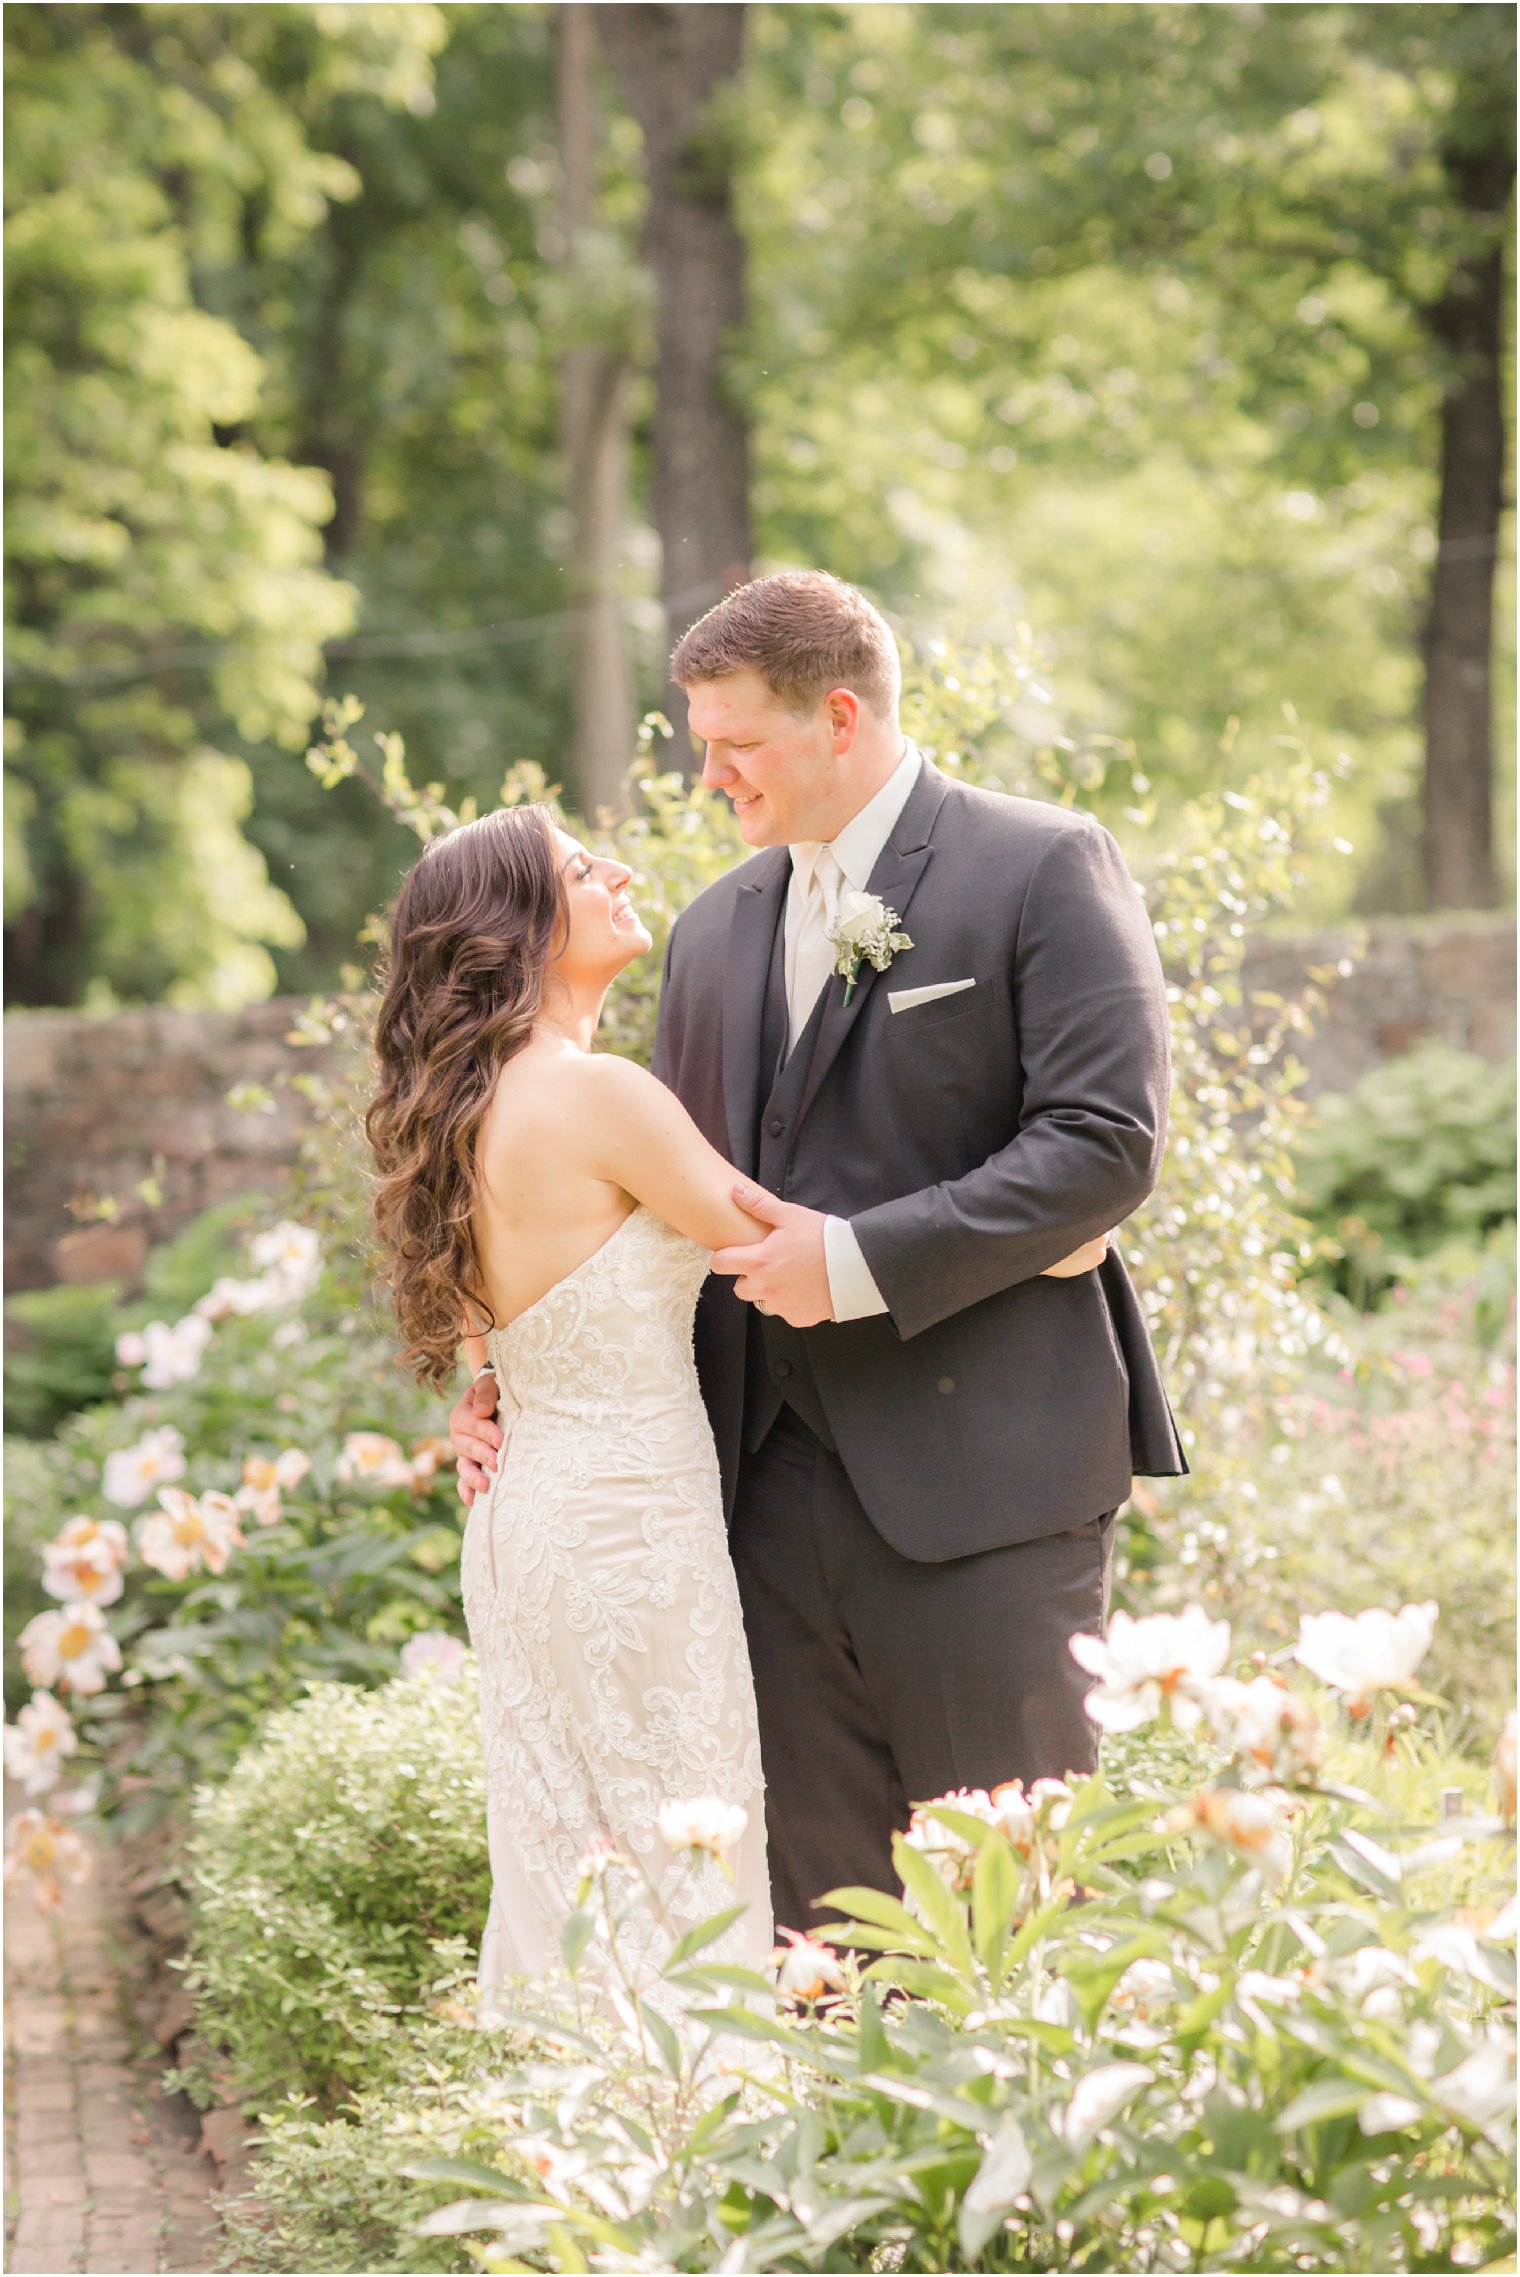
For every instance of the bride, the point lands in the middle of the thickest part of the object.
(555, 1210)
(563, 1206)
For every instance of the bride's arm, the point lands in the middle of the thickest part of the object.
(640, 1137)
(644, 1141)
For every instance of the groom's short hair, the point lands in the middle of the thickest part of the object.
(804, 632)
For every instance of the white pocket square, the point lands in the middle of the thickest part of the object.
(904, 999)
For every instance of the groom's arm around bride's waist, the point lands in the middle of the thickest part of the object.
(1091, 1019)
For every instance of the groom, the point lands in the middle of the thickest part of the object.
(923, 1437)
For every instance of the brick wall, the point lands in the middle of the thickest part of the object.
(96, 1107)
(1452, 978)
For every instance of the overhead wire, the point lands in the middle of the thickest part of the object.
(427, 641)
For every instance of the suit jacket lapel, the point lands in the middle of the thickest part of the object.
(751, 936)
(895, 878)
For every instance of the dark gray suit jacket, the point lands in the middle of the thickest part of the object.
(971, 1142)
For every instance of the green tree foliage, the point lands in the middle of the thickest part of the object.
(414, 335)
(1117, 317)
(165, 593)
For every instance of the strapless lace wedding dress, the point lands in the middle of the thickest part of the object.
(604, 1613)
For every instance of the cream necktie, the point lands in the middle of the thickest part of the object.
(813, 959)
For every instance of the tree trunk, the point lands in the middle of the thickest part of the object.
(1458, 794)
(670, 61)
(595, 379)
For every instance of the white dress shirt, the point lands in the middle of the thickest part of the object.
(811, 898)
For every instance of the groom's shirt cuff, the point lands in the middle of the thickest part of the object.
(852, 1291)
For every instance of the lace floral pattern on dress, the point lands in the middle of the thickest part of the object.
(603, 1607)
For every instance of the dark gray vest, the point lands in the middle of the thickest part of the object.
(776, 1364)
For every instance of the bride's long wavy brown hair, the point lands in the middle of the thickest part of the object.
(476, 924)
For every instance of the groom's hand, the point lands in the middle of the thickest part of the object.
(787, 1273)
(475, 1437)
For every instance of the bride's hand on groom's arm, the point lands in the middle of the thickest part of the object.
(785, 1273)
(1083, 1260)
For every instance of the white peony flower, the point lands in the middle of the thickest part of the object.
(228, 1298)
(704, 1824)
(72, 1646)
(806, 1970)
(1098, 2097)
(429, 1457)
(1145, 1986)
(184, 1533)
(433, 1653)
(133, 1473)
(1045, 1809)
(948, 1851)
(84, 1560)
(77, 1531)
(167, 1356)
(40, 1850)
(1373, 1652)
(1243, 1821)
(290, 1255)
(370, 1459)
(264, 1479)
(37, 1743)
(1264, 1723)
(1165, 1660)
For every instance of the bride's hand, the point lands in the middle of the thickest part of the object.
(475, 1437)
(1081, 1260)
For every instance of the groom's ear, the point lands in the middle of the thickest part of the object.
(843, 708)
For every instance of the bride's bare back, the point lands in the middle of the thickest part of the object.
(571, 1143)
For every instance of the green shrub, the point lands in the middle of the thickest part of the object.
(60, 1354)
(1384, 1475)
(31, 1516)
(1274, 2054)
(333, 2194)
(328, 1874)
(1419, 1153)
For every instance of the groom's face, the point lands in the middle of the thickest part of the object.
(778, 768)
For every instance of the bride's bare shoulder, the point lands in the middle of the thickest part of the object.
(561, 1096)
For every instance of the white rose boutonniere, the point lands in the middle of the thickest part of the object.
(863, 932)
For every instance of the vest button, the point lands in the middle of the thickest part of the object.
(783, 1367)
(775, 1126)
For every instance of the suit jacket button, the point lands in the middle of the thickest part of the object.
(783, 1367)
(775, 1126)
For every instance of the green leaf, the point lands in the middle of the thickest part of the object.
(875, 2049)
(705, 1933)
(1324, 2099)
(942, 1910)
(664, 2038)
(579, 1929)
(881, 1911)
(994, 1896)
(464, 2170)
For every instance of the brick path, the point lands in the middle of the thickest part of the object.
(103, 2170)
